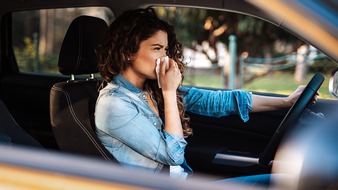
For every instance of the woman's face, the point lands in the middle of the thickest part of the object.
(144, 61)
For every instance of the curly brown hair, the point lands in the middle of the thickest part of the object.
(123, 40)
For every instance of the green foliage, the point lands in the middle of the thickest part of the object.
(188, 23)
(25, 56)
(284, 83)
(276, 82)
(37, 35)
(250, 25)
(28, 62)
(323, 65)
(255, 36)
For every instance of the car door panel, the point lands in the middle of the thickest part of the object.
(232, 147)
(27, 97)
(228, 142)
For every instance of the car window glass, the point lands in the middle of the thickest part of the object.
(38, 35)
(230, 50)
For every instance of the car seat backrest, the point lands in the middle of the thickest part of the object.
(72, 103)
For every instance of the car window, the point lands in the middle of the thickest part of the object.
(38, 35)
(230, 50)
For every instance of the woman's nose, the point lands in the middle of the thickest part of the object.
(164, 53)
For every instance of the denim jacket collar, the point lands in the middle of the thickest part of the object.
(121, 81)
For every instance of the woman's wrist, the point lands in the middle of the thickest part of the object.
(287, 102)
(169, 94)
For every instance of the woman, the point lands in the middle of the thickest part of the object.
(143, 125)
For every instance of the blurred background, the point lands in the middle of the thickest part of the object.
(221, 49)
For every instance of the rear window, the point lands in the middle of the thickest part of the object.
(38, 35)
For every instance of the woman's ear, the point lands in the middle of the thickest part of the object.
(131, 58)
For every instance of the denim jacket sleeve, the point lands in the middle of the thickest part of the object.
(217, 103)
(123, 119)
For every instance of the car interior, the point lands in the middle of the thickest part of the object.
(11, 133)
(55, 111)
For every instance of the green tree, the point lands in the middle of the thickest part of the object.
(255, 36)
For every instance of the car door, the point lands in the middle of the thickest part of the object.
(228, 146)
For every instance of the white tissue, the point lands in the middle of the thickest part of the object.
(157, 70)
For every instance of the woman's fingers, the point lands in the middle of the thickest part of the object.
(300, 89)
(171, 78)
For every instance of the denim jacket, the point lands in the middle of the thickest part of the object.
(133, 133)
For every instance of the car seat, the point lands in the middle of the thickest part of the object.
(72, 102)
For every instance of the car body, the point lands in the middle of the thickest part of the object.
(220, 147)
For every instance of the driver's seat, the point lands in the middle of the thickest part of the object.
(72, 102)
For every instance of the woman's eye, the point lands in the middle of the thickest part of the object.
(157, 48)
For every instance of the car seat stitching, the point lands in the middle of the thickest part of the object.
(81, 125)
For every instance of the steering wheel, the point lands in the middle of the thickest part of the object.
(291, 117)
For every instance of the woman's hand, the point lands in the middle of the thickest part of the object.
(292, 98)
(170, 79)
(170, 76)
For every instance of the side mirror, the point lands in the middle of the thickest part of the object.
(333, 84)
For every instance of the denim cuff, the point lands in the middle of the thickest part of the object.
(244, 103)
(175, 146)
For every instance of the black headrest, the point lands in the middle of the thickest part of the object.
(77, 54)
